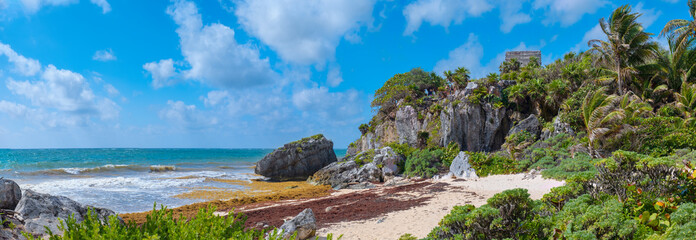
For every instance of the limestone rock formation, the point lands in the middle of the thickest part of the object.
(10, 194)
(297, 160)
(407, 125)
(389, 161)
(43, 210)
(530, 124)
(474, 127)
(461, 168)
(304, 224)
(369, 166)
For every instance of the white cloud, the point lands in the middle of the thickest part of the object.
(567, 12)
(212, 53)
(186, 115)
(337, 106)
(334, 76)
(594, 33)
(22, 65)
(511, 16)
(106, 7)
(648, 16)
(58, 97)
(111, 90)
(304, 32)
(442, 12)
(467, 55)
(104, 55)
(162, 72)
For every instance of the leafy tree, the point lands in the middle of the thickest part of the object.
(459, 78)
(513, 65)
(599, 115)
(627, 46)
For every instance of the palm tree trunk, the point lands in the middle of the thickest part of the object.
(619, 78)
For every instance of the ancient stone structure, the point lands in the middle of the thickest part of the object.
(523, 56)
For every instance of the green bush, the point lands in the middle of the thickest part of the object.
(491, 164)
(569, 167)
(509, 214)
(161, 224)
(422, 163)
(588, 218)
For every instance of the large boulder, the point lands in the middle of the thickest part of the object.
(461, 168)
(297, 160)
(340, 174)
(304, 224)
(389, 160)
(43, 210)
(530, 125)
(10, 194)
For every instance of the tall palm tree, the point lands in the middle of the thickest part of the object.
(599, 114)
(682, 31)
(627, 45)
(673, 68)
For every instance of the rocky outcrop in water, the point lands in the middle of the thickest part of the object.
(297, 160)
(304, 224)
(10, 194)
(42, 210)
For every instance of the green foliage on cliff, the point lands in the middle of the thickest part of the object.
(413, 84)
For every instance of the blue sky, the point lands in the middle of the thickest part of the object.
(253, 73)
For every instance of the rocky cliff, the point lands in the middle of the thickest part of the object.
(458, 118)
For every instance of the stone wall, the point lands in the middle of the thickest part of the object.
(523, 56)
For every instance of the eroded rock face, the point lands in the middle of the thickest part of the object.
(380, 165)
(530, 124)
(10, 194)
(474, 127)
(304, 224)
(297, 160)
(43, 210)
(407, 125)
(461, 168)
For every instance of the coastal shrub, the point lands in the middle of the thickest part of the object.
(660, 136)
(450, 152)
(491, 164)
(365, 157)
(422, 163)
(364, 128)
(569, 167)
(161, 224)
(588, 218)
(558, 196)
(546, 153)
(509, 214)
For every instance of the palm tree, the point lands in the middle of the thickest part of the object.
(673, 68)
(627, 46)
(633, 106)
(682, 31)
(599, 115)
(686, 101)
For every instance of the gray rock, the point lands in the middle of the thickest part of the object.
(389, 161)
(43, 210)
(304, 224)
(297, 160)
(407, 125)
(470, 86)
(340, 174)
(530, 124)
(558, 128)
(12, 226)
(475, 128)
(461, 168)
(10, 194)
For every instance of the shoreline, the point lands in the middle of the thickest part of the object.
(383, 212)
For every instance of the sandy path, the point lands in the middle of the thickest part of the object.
(421, 219)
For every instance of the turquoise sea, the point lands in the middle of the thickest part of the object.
(128, 180)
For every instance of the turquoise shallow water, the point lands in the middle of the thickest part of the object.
(127, 180)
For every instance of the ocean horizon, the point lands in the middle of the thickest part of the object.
(130, 179)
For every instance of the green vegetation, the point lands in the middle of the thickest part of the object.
(304, 140)
(161, 224)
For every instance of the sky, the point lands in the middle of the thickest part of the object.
(254, 73)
